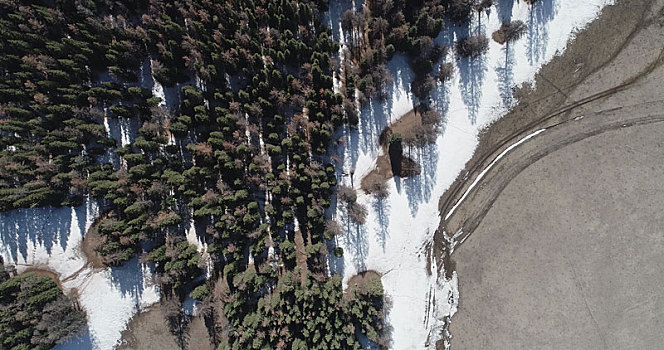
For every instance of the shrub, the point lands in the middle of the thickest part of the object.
(512, 31)
(201, 292)
(459, 10)
(445, 72)
(422, 85)
(377, 185)
(346, 194)
(473, 46)
(338, 252)
(332, 229)
(357, 213)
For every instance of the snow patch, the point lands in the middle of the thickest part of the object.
(50, 238)
(400, 226)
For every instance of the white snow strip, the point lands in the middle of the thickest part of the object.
(193, 238)
(157, 88)
(481, 175)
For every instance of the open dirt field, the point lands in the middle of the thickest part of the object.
(561, 236)
(570, 254)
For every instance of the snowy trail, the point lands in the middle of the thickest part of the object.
(396, 239)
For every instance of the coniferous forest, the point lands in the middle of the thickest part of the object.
(242, 151)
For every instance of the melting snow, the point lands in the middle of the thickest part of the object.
(401, 226)
(50, 238)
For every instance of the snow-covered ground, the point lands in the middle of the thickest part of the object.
(50, 238)
(399, 228)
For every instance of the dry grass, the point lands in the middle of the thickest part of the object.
(91, 241)
(360, 280)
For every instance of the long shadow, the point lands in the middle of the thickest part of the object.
(81, 341)
(505, 75)
(145, 75)
(333, 16)
(418, 188)
(382, 209)
(471, 75)
(356, 243)
(505, 8)
(335, 264)
(471, 71)
(130, 279)
(541, 12)
(22, 229)
(377, 114)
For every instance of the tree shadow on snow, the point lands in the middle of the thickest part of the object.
(541, 12)
(377, 114)
(382, 209)
(505, 75)
(470, 70)
(129, 279)
(333, 16)
(355, 243)
(21, 229)
(419, 188)
(81, 341)
(335, 264)
(505, 8)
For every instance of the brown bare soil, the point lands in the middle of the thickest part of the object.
(498, 36)
(44, 271)
(600, 83)
(91, 241)
(592, 49)
(148, 330)
(382, 172)
(408, 125)
(301, 256)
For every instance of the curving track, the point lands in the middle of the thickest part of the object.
(459, 219)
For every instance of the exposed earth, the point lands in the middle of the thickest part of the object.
(570, 253)
(149, 330)
(561, 235)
